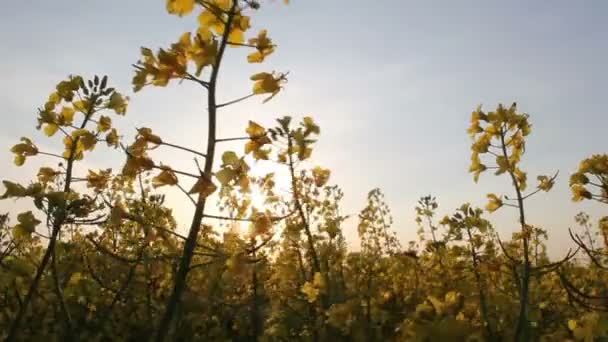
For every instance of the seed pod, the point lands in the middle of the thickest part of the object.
(90, 83)
(96, 80)
(104, 82)
(85, 90)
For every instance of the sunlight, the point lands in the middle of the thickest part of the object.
(258, 198)
(281, 178)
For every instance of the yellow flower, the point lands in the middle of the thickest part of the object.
(521, 178)
(47, 175)
(165, 177)
(267, 83)
(146, 134)
(112, 138)
(261, 224)
(180, 7)
(579, 193)
(259, 138)
(203, 186)
(320, 175)
(545, 183)
(104, 123)
(27, 224)
(98, 180)
(23, 150)
(263, 45)
(494, 203)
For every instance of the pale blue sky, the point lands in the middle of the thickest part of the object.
(392, 84)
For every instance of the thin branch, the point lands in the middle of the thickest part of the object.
(197, 80)
(184, 149)
(235, 101)
(232, 139)
(559, 263)
(227, 218)
(207, 263)
(585, 248)
(161, 167)
(52, 155)
(106, 251)
(552, 179)
(504, 250)
(241, 44)
(181, 188)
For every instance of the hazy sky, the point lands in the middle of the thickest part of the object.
(392, 84)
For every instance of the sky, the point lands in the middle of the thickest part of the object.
(391, 83)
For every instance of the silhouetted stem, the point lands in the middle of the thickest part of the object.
(191, 241)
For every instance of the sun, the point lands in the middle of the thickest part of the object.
(258, 198)
(282, 180)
